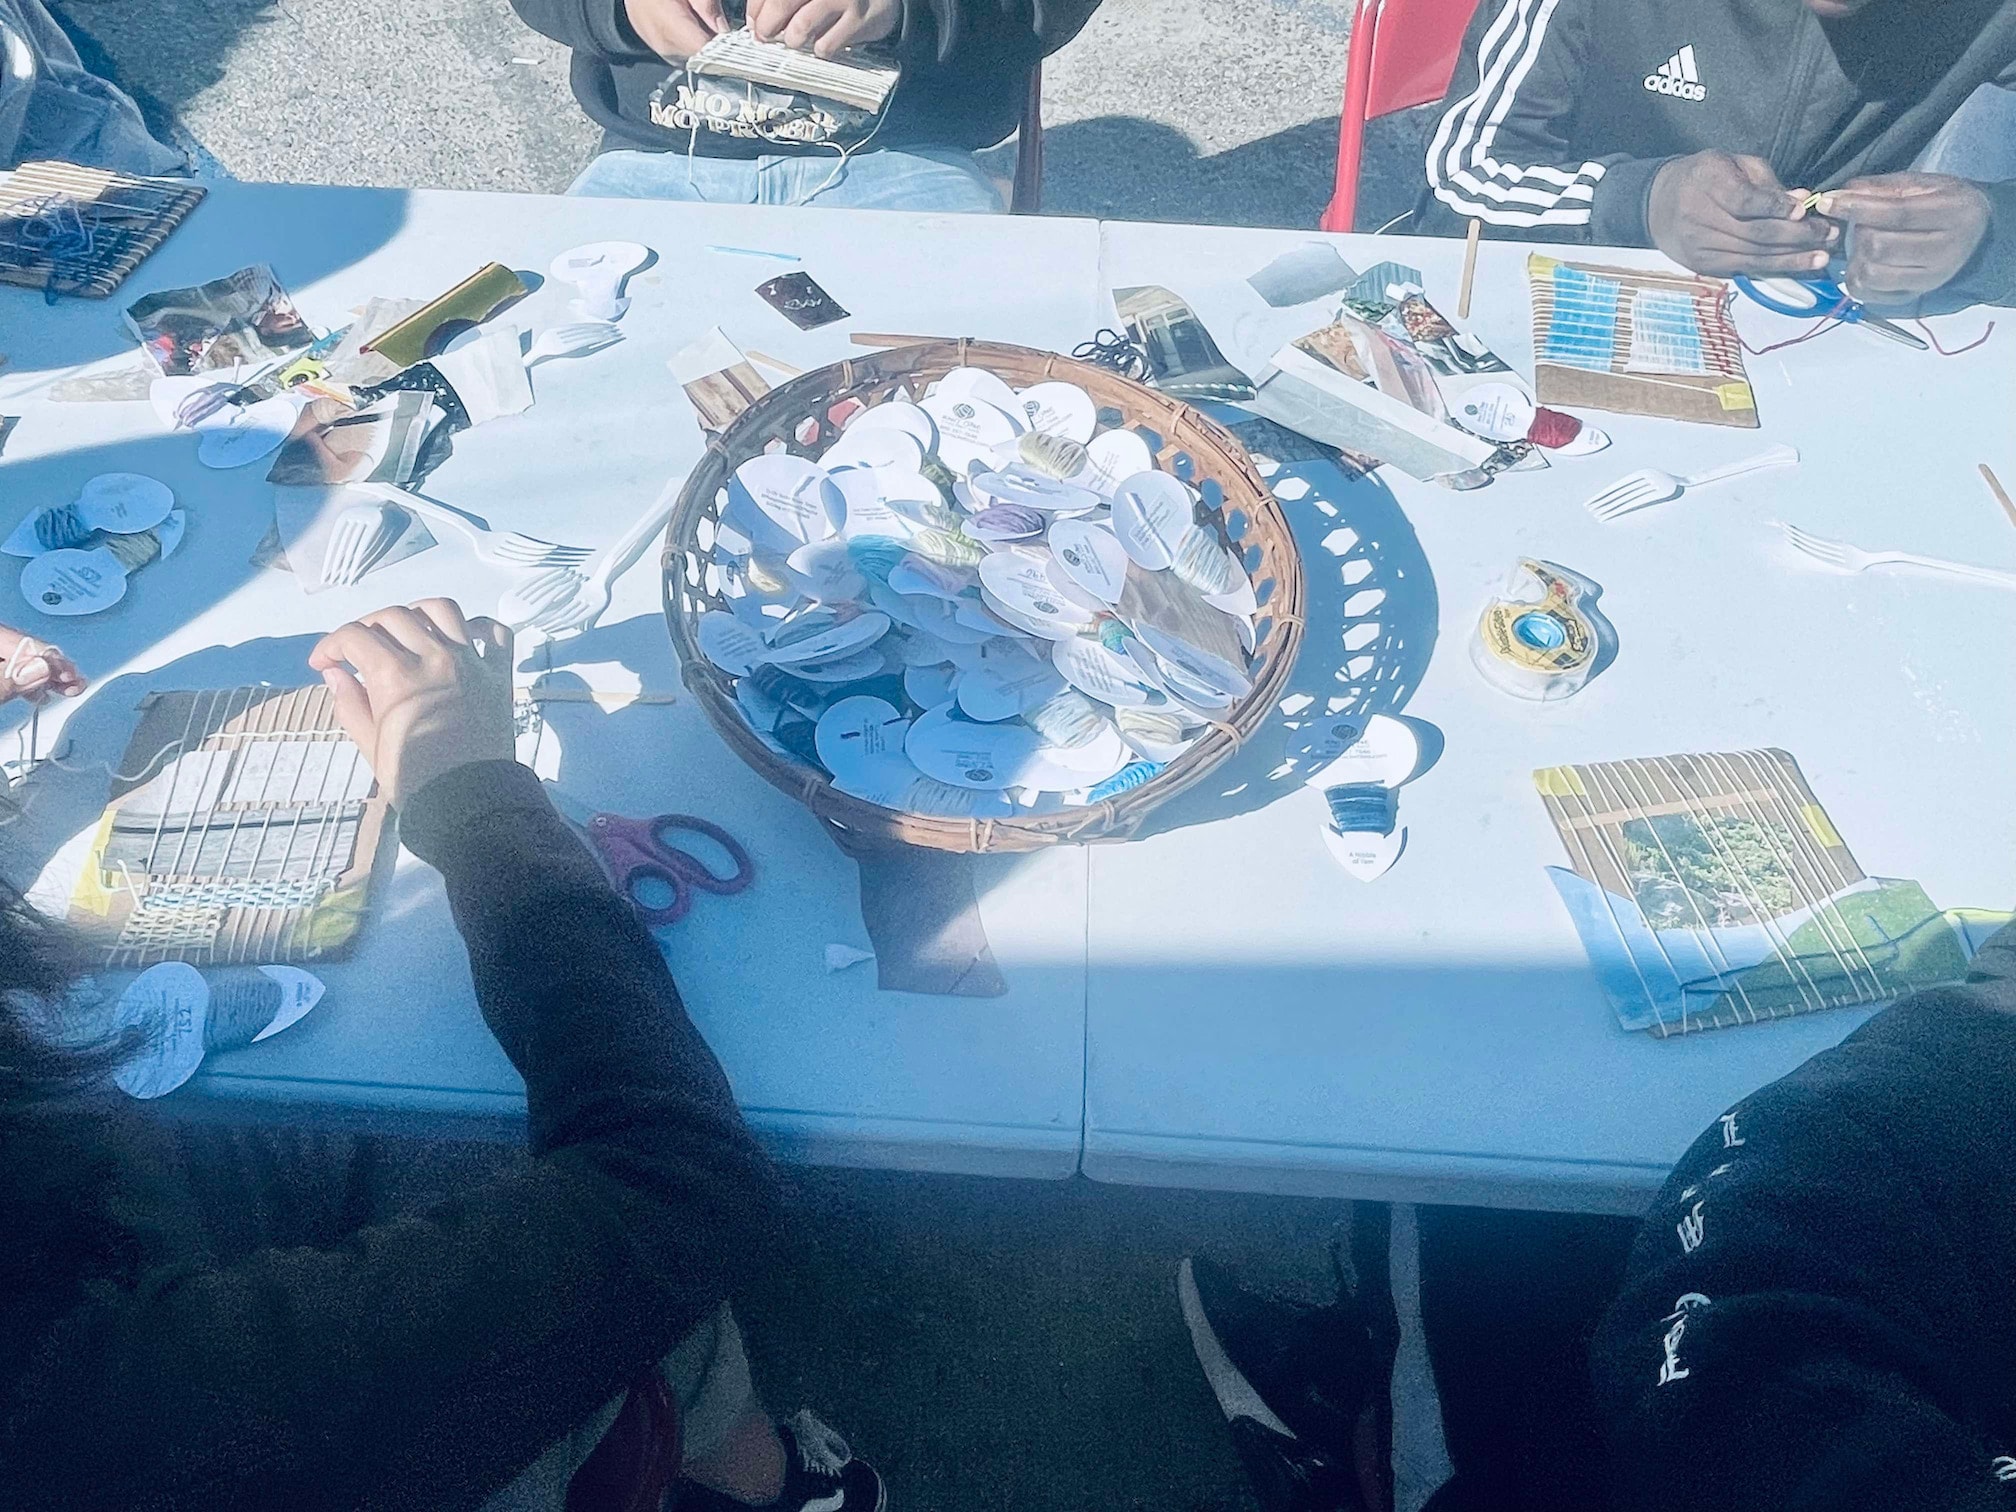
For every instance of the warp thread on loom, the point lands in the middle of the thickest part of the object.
(55, 229)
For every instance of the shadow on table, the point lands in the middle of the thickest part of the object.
(212, 562)
(1370, 612)
(1370, 615)
(1127, 168)
(65, 795)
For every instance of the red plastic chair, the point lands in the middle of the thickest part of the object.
(1403, 54)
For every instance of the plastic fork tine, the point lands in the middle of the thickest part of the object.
(1613, 504)
(1619, 493)
(350, 551)
(1817, 547)
(1629, 504)
(531, 552)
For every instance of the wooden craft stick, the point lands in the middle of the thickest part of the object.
(775, 364)
(1469, 269)
(884, 339)
(2001, 494)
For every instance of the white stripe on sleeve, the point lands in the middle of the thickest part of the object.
(1461, 170)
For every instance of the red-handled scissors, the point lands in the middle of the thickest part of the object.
(639, 855)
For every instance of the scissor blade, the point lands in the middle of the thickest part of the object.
(1896, 333)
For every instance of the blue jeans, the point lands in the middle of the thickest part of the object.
(923, 178)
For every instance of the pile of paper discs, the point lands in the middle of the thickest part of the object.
(977, 601)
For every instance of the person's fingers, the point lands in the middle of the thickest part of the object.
(1771, 235)
(669, 28)
(1756, 170)
(767, 18)
(1884, 208)
(1783, 264)
(710, 12)
(810, 24)
(1723, 261)
(1752, 192)
(858, 22)
(1885, 283)
(837, 38)
(366, 647)
(409, 630)
(491, 636)
(446, 617)
(353, 708)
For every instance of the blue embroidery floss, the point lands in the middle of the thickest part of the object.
(1125, 780)
(875, 557)
(1363, 808)
(61, 526)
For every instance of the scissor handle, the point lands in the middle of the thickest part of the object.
(673, 878)
(697, 871)
(1829, 299)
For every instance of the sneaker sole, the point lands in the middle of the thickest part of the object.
(1236, 1396)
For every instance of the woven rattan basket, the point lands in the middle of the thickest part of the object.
(1186, 443)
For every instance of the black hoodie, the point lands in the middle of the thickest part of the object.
(1820, 1314)
(420, 1363)
(1561, 112)
(965, 72)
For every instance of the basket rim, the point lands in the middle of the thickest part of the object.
(857, 823)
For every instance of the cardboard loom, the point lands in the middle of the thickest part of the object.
(1712, 889)
(243, 827)
(1637, 342)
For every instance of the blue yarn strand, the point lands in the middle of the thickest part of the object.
(1363, 808)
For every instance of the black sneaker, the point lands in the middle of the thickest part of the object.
(1305, 1371)
(821, 1474)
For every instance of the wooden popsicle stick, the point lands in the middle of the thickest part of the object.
(775, 364)
(2001, 494)
(884, 339)
(1469, 269)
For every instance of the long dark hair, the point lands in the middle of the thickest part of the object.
(40, 961)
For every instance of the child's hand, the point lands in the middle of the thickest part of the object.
(33, 669)
(1721, 214)
(1913, 232)
(675, 29)
(421, 691)
(824, 27)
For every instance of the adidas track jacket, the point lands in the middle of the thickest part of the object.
(1562, 111)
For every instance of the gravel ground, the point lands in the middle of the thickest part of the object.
(1160, 110)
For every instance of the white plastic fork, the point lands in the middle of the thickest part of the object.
(356, 542)
(576, 340)
(1651, 486)
(1842, 557)
(557, 602)
(509, 548)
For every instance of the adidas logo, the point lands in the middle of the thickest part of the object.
(1678, 77)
